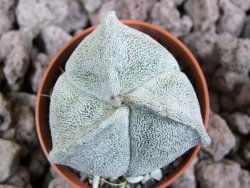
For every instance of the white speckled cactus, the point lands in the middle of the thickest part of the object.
(122, 106)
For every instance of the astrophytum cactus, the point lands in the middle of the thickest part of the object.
(122, 106)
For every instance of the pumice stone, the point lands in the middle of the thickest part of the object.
(122, 107)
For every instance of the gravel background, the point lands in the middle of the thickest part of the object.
(217, 32)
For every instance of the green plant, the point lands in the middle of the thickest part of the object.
(122, 106)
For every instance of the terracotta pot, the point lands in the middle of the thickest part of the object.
(185, 59)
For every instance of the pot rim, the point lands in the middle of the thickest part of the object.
(67, 173)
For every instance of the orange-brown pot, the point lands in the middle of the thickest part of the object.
(188, 65)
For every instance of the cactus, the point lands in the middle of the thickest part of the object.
(122, 106)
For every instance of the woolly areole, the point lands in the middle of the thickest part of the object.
(122, 106)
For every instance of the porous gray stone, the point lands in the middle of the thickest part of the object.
(187, 179)
(242, 55)
(222, 174)
(227, 103)
(9, 134)
(239, 158)
(25, 125)
(244, 179)
(246, 151)
(91, 5)
(232, 19)
(76, 17)
(240, 122)
(137, 10)
(15, 56)
(238, 143)
(227, 81)
(58, 183)
(7, 16)
(222, 139)
(1, 73)
(243, 97)
(233, 53)
(20, 178)
(40, 63)
(54, 39)
(39, 14)
(95, 18)
(242, 4)
(53, 173)
(224, 61)
(202, 45)
(38, 164)
(46, 180)
(120, 6)
(233, 58)
(22, 98)
(214, 101)
(226, 44)
(247, 110)
(178, 2)
(166, 15)
(9, 155)
(237, 152)
(204, 13)
(7, 186)
(5, 114)
(246, 29)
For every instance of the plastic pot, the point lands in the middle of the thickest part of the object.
(188, 65)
